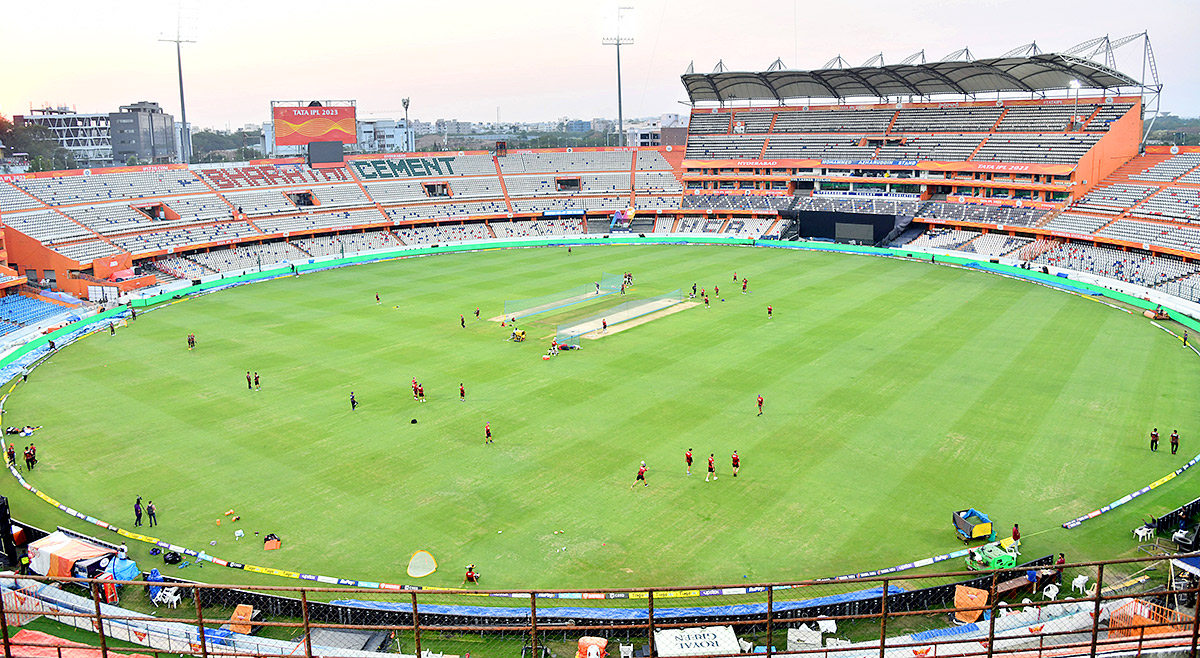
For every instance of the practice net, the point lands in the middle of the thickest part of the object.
(520, 308)
(623, 312)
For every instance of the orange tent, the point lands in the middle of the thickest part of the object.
(56, 554)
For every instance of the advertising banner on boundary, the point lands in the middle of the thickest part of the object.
(297, 126)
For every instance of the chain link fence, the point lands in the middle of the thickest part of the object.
(1129, 607)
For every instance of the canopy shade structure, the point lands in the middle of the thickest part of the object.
(1036, 73)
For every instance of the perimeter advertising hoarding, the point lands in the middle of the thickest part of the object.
(297, 126)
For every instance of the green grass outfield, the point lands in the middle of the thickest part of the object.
(895, 391)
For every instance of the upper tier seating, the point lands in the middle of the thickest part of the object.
(1168, 170)
(69, 190)
(520, 163)
(949, 119)
(753, 122)
(1106, 115)
(833, 121)
(706, 123)
(1039, 119)
(239, 178)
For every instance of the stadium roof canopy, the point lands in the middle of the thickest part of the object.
(1032, 74)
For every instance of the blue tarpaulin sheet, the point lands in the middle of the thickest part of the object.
(619, 614)
(944, 632)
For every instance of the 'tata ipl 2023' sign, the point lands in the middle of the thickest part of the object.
(297, 126)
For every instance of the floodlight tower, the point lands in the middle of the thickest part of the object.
(185, 149)
(408, 146)
(617, 41)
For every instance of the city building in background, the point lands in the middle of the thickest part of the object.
(85, 136)
(141, 133)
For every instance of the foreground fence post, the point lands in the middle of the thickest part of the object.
(883, 618)
(416, 626)
(650, 622)
(307, 633)
(1195, 626)
(4, 626)
(532, 625)
(770, 609)
(200, 622)
(99, 622)
(1096, 608)
(995, 599)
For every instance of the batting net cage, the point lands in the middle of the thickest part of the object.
(520, 308)
(623, 312)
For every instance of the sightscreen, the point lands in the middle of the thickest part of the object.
(325, 154)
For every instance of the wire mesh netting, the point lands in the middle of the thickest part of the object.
(521, 308)
(1037, 609)
(623, 312)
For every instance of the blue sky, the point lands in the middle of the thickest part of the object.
(533, 60)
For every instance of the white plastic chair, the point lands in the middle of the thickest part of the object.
(626, 650)
(1080, 583)
(745, 646)
(1050, 593)
(827, 626)
(1144, 533)
(168, 596)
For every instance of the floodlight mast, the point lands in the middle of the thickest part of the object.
(617, 41)
(185, 149)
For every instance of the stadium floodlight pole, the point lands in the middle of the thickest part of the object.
(185, 149)
(408, 146)
(1075, 112)
(617, 41)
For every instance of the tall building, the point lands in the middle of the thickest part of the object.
(84, 136)
(142, 132)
